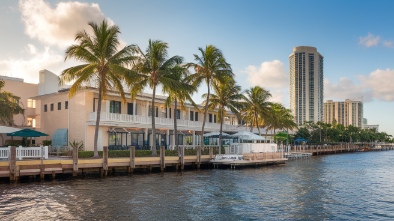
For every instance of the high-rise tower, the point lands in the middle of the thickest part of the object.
(306, 84)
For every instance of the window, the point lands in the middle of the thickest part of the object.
(114, 107)
(31, 103)
(130, 108)
(191, 116)
(59, 105)
(45, 108)
(156, 111)
(196, 116)
(210, 118)
(214, 118)
(66, 105)
(178, 114)
(52, 107)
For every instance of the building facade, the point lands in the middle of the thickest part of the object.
(346, 112)
(306, 84)
(122, 123)
(23, 90)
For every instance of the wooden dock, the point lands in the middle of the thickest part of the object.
(14, 169)
(339, 148)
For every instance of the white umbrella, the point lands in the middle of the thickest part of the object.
(246, 135)
(6, 130)
(215, 134)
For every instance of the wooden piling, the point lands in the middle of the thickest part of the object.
(162, 158)
(132, 159)
(75, 161)
(42, 175)
(105, 160)
(210, 152)
(181, 154)
(12, 159)
(198, 157)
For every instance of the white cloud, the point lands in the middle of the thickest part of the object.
(345, 89)
(270, 75)
(388, 44)
(380, 83)
(28, 68)
(375, 86)
(58, 25)
(369, 41)
(31, 49)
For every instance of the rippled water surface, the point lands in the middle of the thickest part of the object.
(357, 186)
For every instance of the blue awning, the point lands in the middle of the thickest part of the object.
(60, 138)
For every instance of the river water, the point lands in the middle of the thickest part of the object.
(358, 186)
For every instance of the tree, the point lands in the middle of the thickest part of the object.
(257, 108)
(211, 67)
(103, 64)
(227, 96)
(179, 94)
(280, 118)
(9, 106)
(154, 69)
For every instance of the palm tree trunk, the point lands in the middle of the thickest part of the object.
(257, 123)
(175, 125)
(205, 118)
(154, 152)
(96, 129)
(221, 129)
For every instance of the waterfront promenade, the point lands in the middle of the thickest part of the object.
(14, 169)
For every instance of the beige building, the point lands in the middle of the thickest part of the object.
(306, 84)
(346, 112)
(121, 123)
(23, 90)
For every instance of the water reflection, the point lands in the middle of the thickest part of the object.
(337, 187)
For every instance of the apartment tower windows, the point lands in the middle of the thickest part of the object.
(306, 84)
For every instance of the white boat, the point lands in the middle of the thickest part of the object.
(226, 158)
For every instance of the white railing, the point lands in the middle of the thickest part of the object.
(25, 152)
(169, 122)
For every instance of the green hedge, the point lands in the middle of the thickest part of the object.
(143, 153)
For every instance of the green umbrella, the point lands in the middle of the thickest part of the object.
(27, 133)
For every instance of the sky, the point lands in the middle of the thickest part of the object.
(356, 38)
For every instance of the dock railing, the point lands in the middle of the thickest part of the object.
(25, 152)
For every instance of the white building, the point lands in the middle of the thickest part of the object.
(306, 84)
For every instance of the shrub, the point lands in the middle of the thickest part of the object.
(46, 142)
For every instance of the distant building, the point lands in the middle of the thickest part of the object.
(306, 84)
(365, 121)
(346, 112)
(371, 126)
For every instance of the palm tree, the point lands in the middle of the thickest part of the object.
(211, 67)
(257, 107)
(280, 118)
(103, 64)
(9, 106)
(179, 94)
(154, 69)
(227, 96)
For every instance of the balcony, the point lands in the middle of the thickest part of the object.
(124, 120)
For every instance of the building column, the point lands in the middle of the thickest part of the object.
(134, 108)
(168, 137)
(172, 140)
(194, 138)
(146, 137)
